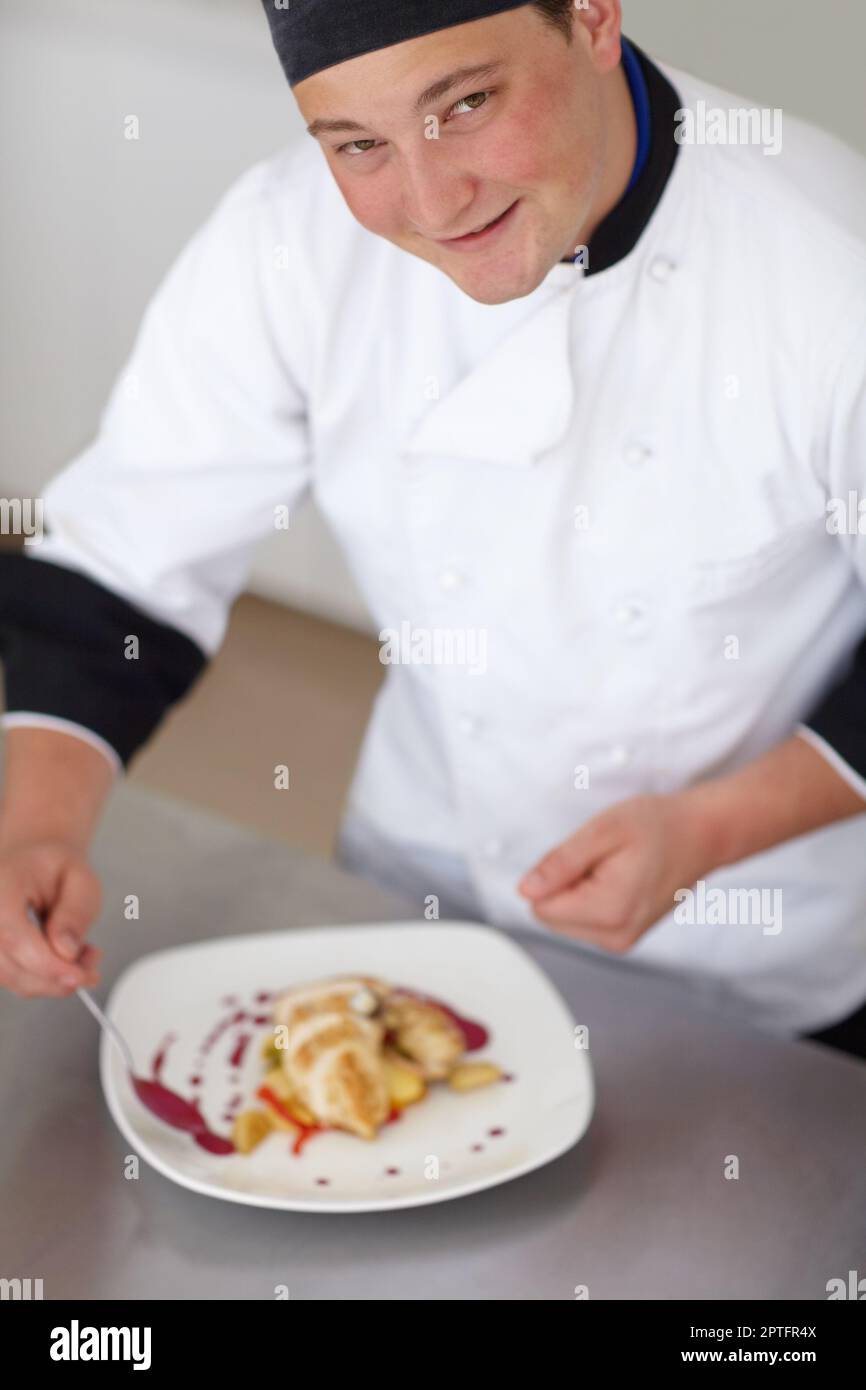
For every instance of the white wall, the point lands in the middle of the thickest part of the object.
(91, 220)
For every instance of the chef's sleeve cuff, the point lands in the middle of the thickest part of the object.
(27, 719)
(839, 764)
(76, 652)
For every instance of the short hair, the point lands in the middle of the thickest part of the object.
(557, 13)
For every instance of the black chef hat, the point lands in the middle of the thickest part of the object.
(310, 35)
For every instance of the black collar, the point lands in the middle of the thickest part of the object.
(624, 225)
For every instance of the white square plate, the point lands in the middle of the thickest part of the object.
(170, 1004)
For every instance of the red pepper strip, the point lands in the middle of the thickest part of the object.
(304, 1136)
(305, 1132)
(271, 1098)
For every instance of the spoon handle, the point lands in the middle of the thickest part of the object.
(102, 1018)
(90, 1003)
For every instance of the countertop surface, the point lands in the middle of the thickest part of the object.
(640, 1208)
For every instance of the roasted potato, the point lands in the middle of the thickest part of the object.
(250, 1128)
(471, 1076)
(404, 1080)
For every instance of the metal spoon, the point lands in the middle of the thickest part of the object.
(90, 1003)
(168, 1107)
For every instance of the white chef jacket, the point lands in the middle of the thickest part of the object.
(621, 480)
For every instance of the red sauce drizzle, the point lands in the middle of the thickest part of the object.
(216, 1033)
(214, 1143)
(180, 1114)
(239, 1050)
(173, 1110)
(159, 1060)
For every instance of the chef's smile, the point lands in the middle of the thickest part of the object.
(492, 149)
(482, 236)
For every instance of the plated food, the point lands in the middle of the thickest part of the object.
(197, 1017)
(351, 1053)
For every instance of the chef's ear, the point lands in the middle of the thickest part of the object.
(597, 24)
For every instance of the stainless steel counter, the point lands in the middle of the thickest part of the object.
(639, 1209)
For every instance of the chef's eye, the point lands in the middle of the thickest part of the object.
(355, 147)
(474, 102)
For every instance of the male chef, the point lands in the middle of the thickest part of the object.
(569, 349)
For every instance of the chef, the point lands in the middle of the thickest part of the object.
(581, 394)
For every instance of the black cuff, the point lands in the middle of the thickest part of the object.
(63, 639)
(840, 719)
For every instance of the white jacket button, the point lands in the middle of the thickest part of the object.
(637, 454)
(630, 615)
(661, 268)
(451, 580)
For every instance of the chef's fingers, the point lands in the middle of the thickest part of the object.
(591, 913)
(11, 975)
(30, 882)
(27, 958)
(565, 865)
(76, 905)
(28, 986)
(89, 959)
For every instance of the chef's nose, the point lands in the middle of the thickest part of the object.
(437, 197)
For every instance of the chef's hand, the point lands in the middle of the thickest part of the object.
(54, 786)
(63, 889)
(612, 880)
(617, 876)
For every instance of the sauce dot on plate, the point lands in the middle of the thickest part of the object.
(495, 1133)
(323, 1182)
